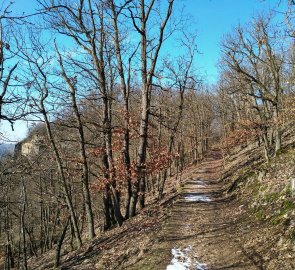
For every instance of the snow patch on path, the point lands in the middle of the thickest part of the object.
(201, 183)
(183, 259)
(197, 198)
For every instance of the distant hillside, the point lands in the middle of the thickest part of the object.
(6, 149)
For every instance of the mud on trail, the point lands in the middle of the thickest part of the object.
(204, 228)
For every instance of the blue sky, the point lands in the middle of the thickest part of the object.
(213, 19)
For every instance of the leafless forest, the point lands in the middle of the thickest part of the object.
(114, 115)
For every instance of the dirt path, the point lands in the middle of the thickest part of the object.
(204, 229)
(197, 228)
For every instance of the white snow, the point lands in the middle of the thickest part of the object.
(197, 198)
(201, 183)
(182, 260)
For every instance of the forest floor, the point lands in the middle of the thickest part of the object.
(198, 227)
(204, 228)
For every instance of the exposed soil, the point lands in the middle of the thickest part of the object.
(200, 227)
(204, 227)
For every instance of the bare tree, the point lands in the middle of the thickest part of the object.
(254, 58)
(125, 90)
(85, 25)
(181, 78)
(38, 65)
(85, 173)
(149, 58)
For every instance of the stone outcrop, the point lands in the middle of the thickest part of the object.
(30, 146)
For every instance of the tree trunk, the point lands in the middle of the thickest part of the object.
(22, 227)
(106, 209)
(116, 205)
(277, 133)
(125, 92)
(9, 258)
(141, 156)
(59, 244)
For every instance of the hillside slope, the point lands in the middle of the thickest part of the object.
(266, 193)
(210, 223)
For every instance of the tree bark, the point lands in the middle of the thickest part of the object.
(60, 242)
